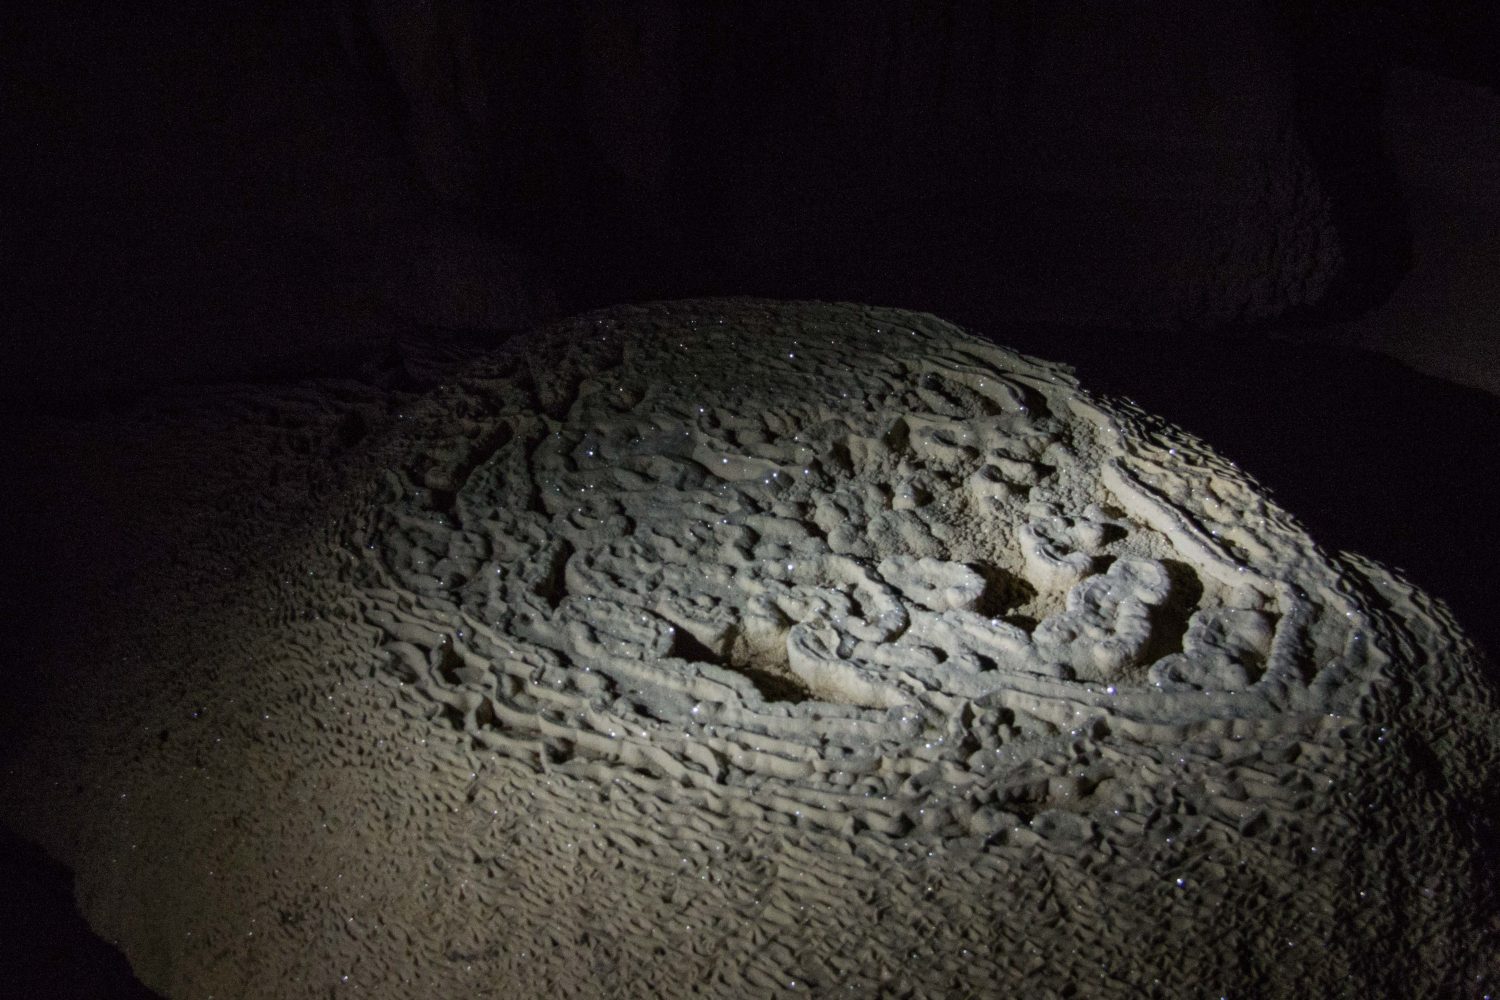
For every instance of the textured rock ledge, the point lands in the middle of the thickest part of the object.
(857, 572)
(726, 648)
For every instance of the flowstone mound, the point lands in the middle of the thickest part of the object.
(727, 648)
(860, 572)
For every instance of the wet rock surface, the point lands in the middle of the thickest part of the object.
(730, 647)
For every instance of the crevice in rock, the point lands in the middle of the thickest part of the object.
(758, 667)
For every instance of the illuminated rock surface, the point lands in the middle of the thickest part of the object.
(737, 648)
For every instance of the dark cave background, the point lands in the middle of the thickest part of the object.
(1274, 223)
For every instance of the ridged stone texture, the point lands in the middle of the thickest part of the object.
(738, 648)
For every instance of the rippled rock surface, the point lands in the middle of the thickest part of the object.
(736, 648)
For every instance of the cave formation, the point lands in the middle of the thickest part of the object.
(268, 259)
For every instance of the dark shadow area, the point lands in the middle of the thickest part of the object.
(773, 686)
(46, 948)
(1169, 620)
(1002, 592)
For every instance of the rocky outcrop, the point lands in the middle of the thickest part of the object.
(680, 650)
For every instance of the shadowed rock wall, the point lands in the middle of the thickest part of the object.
(1134, 164)
(222, 192)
